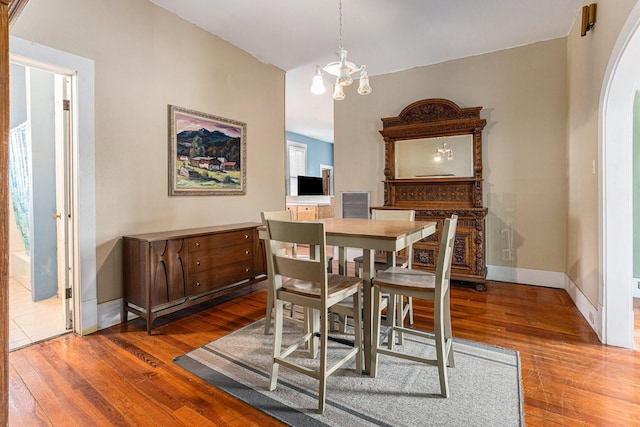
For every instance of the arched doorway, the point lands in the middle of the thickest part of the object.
(621, 81)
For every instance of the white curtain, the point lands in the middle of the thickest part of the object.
(20, 178)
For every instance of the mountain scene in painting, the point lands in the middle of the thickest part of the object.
(208, 154)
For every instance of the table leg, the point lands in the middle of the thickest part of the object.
(391, 258)
(342, 260)
(367, 316)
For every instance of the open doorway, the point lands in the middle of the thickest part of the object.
(40, 265)
(622, 78)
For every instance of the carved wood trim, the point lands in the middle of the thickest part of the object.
(431, 110)
(4, 212)
(15, 9)
(430, 117)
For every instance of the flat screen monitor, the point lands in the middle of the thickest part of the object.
(309, 186)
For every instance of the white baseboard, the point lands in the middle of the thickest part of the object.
(549, 279)
(591, 314)
(524, 276)
(110, 314)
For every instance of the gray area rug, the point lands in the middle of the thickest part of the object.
(485, 385)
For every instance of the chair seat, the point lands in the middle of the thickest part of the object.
(406, 278)
(337, 285)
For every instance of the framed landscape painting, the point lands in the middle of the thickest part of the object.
(207, 154)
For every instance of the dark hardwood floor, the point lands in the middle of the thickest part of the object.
(121, 376)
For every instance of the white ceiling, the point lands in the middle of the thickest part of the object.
(386, 35)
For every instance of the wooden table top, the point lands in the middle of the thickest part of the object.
(380, 229)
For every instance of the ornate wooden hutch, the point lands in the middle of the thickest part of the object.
(433, 164)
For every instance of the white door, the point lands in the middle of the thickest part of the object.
(63, 192)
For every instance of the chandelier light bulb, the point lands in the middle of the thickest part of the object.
(344, 79)
(364, 88)
(317, 86)
(338, 92)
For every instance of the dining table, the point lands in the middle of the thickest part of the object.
(370, 236)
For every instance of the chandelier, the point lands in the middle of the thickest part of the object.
(342, 70)
(443, 152)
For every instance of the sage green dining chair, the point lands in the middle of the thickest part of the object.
(285, 215)
(425, 285)
(306, 283)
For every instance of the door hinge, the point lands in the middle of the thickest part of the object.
(67, 293)
(66, 105)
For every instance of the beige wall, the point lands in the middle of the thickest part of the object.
(588, 58)
(146, 58)
(523, 92)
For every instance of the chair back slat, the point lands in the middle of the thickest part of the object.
(308, 233)
(309, 270)
(393, 214)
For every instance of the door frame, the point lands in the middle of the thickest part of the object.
(615, 143)
(82, 165)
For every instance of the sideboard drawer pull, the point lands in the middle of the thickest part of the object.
(197, 244)
(198, 263)
(246, 236)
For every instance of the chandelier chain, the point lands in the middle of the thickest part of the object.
(341, 47)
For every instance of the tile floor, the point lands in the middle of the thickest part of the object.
(30, 321)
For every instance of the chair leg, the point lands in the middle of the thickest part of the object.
(441, 357)
(377, 319)
(277, 343)
(391, 320)
(410, 309)
(357, 330)
(322, 388)
(448, 334)
(315, 327)
(267, 317)
(400, 316)
(342, 324)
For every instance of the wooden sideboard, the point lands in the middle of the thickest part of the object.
(168, 271)
(433, 164)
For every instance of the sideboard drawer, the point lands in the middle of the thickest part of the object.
(207, 260)
(209, 280)
(218, 241)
